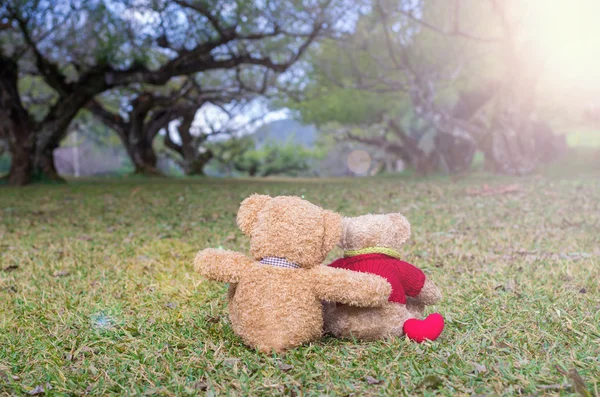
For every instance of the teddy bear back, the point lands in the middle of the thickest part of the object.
(374, 230)
(289, 227)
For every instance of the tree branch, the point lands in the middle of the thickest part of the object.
(49, 70)
(172, 145)
(454, 32)
(203, 10)
(158, 121)
(110, 119)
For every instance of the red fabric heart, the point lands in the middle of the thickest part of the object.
(420, 330)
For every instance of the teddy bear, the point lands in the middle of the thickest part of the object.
(275, 296)
(371, 243)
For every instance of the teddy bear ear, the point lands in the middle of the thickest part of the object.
(402, 226)
(333, 230)
(248, 213)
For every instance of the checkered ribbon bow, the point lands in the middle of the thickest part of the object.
(279, 262)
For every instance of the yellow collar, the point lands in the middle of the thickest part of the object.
(373, 250)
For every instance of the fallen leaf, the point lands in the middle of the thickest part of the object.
(568, 277)
(579, 383)
(153, 391)
(40, 389)
(431, 382)
(372, 381)
(10, 268)
(60, 273)
(480, 368)
(231, 361)
(510, 285)
(284, 367)
(554, 387)
(200, 386)
(582, 291)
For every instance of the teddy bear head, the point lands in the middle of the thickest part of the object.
(289, 227)
(374, 230)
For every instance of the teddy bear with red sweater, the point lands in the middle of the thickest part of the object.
(371, 244)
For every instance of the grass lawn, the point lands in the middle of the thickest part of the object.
(98, 295)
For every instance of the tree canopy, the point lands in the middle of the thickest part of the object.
(81, 49)
(429, 82)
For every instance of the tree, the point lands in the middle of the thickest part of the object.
(138, 131)
(387, 84)
(151, 109)
(497, 112)
(198, 128)
(83, 48)
(440, 57)
(193, 155)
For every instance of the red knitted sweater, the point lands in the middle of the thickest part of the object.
(405, 278)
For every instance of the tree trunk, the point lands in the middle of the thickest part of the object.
(455, 152)
(46, 166)
(21, 143)
(196, 165)
(511, 147)
(142, 156)
(133, 134)
(32, 144)
(15, 125)
(194, 160)
(411, 153)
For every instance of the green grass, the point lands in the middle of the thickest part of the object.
(98, 294)
(584, 136)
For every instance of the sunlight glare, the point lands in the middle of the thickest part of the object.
(566, 35)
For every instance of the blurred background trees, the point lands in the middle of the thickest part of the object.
(193, 86)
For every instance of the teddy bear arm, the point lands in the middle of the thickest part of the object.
(349, 287)
(430, 294)
(222, 265)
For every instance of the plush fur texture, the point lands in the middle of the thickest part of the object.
(381, 230)
(274, 308)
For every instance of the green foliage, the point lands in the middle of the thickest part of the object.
(346, 106)
(36, 95)
(371, 73)
(241, 155)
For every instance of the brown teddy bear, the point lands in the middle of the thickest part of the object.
(371, 244)
(276, 301)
